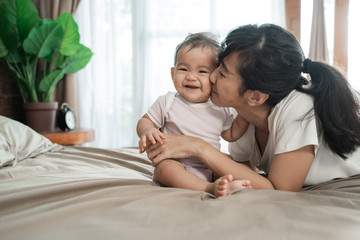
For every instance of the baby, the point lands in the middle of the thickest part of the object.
(189, 111)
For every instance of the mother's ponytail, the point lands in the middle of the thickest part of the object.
(335, 105)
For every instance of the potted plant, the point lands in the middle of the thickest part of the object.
(39, 52)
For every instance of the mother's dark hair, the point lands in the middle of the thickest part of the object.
(271, 60)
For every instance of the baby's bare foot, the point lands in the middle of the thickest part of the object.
(221, 185)
(238, 184)
(225, 185)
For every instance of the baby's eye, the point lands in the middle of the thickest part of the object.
(203, 71)
(182, 69)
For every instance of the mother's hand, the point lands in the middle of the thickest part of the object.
(174, 146)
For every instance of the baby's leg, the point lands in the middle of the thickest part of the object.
(225, 185)
(173, 174)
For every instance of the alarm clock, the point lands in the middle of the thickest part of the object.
(66, 119)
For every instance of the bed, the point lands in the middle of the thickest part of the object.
(48, 191)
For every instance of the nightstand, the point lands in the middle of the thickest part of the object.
(74, 137)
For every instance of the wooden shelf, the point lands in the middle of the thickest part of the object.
(74, 137)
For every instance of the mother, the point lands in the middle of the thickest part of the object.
(300, 132)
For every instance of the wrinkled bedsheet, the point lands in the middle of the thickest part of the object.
(90, 193)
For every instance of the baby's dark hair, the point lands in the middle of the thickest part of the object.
(201, 39)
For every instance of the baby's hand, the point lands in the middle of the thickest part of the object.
(151, 135)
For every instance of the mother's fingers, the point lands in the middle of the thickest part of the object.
(149, 147)
(173, 146)
(157, 159)
(154, 153)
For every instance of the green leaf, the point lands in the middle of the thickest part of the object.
(3, 50)
(49, 57)
(48, 84)
(50, 81)
(9, 31)
(28, 17)
(77, 61)
(71, 41)
(17, 18)
(60, 60)
(43, 40)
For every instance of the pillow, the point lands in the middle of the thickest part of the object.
(6, 157)
(18, 141)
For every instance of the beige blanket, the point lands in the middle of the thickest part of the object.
(89, 193)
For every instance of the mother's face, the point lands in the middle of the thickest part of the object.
(226, 83)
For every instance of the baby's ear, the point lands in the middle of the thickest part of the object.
(173, 73)
(256, 98)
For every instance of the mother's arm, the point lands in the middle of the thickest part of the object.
(288, 170)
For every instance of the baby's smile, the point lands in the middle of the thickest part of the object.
(192, 86)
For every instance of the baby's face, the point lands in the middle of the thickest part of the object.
(191, 74)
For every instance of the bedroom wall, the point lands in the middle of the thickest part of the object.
(10, 98)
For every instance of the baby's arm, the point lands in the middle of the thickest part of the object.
(148, 131)
(238, 128)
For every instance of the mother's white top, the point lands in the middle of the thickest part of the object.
(292, 125)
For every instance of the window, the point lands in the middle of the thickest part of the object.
(133, 44)
(353, 38)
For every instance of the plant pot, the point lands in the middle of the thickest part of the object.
(41, 116)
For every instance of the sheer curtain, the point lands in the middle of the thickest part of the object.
(105, 85)
(133, 44)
